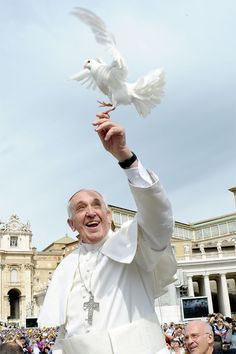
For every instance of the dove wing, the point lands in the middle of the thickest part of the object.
(104, 37)
(86, 78)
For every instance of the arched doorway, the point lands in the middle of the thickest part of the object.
(14, 300)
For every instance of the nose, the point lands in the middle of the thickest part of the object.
(90, 212)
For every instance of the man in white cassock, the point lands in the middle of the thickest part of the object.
(102, 295)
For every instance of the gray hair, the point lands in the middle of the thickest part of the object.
(69, 212)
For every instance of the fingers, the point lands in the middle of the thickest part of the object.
(106, 124)
(107, 129)
(114, 131)
(103, 115)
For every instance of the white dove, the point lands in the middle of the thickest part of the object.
(144, 94)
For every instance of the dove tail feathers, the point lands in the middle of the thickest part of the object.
(148, 91)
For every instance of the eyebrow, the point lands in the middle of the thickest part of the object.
(81, 202)
(97, 200)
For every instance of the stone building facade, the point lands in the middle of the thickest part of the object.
(206, 265)
(24, 272)
(205, 253)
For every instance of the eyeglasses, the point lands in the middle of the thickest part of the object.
(194, 336)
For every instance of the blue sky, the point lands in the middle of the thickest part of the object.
(48, 146)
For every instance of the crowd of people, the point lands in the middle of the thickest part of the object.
(221, 329)
(179, 337)
(31, 340)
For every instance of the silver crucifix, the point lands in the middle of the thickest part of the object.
(91, 305)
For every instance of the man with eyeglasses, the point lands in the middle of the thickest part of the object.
(199, 338)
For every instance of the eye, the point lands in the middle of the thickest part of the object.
(97, 205)
(80, 207)
(195, 336)
(88, 61)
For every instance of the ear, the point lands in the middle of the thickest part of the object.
(71, 224)
(211, 338)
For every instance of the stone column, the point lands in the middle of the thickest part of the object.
(223, 295)
(6, 308)
(207, 291)
(190, 285)
(27, 298)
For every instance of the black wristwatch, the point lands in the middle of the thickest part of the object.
(128, 162)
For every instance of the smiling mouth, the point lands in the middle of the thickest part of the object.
(92, 224)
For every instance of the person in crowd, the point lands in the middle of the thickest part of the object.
(102, 294)
(27, 349)
(176, 346)
(199, 338)
(231, 335)
(11, 348)
(220, 329)
(35, 348)
(45, 350)
(178, 334)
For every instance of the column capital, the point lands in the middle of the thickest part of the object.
(222, 273)
(206, 274)
(189, 275)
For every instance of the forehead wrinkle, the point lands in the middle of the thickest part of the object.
(90, 192)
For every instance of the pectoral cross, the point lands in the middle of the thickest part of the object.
(91, 305)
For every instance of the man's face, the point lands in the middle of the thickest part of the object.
(197, 338)
(89, 216)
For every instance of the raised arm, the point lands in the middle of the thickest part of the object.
(113, 138)
(154, 214)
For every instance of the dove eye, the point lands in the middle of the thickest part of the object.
(88, 61)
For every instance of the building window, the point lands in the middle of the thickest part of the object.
(13, 241)
(14, 276)
(198, 234)
(232, 226)
(223, 229)
(215, 230)
(206, 232)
